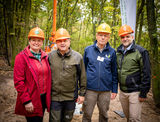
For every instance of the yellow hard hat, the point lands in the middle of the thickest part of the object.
(104, 28)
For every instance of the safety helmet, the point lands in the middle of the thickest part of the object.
(125, 29)
(36, 32)
(104, 28)
(62, 33)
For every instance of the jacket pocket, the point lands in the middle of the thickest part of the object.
(107, 63)
(70, 68)
(69, 75)
(133, 81)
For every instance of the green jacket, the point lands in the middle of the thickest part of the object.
(134, 72)
(68, 75)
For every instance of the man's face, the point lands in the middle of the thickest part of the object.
(126, 40)
(102, 38)
(63, 45)
(35, 44)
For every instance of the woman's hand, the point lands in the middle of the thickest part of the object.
(29, 107)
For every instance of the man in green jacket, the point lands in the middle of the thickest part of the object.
(134, 74)
(68, 79)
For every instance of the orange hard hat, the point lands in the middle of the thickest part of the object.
(125, 29)
(36, 32)
(62, 34)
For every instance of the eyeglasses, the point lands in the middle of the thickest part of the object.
(64, 40)
(36, 40)
(105, 35)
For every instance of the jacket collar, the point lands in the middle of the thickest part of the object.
(27, 50)
(66, 54)
(120, 48)
(105, 48)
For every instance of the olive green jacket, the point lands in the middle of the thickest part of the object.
(68, 75)
(134, 72)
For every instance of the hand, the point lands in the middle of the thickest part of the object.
(113, 96)
(141, 99)
(29, 107)
(80, 99)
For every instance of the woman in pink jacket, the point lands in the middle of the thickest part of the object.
(32, 79)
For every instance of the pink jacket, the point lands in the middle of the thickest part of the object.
(27, 84)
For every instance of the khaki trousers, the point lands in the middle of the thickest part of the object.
(91, 98)
(131, 106)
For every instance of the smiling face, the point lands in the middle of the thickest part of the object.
(126, 40)
(35, 44)
(63, 45)
(102, 39)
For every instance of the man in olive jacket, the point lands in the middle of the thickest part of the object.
(134, 74)
(68, 79)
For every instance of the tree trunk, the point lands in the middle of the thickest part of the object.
(80, 30)
(6, 34)
(16, 24)
(152, 29)
(93, 21)
(114, 23)
(140, 28)
(139, 12)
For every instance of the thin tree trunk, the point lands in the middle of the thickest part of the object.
(93, 21)
(86, 28)
(101, 11)
(6, 35)
(80, 30)
(152, 29)
(114, 22)
(139, 11)
(66, 16)
(140, 28)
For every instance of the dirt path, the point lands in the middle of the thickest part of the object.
(8, 98)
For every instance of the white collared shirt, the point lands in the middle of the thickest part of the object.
(128, 48)
(101, 50)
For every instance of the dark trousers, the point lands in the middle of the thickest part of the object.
(38, 118)
(62, 111)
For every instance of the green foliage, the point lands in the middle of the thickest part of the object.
(79, 17)
(80, 45)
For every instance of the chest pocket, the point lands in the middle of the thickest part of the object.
(70, 68)
(70, 76)
(107, 62)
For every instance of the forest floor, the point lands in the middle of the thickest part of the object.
(8, 98)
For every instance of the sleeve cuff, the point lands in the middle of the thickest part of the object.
(26, 102)
(143, 95)
(82, 94)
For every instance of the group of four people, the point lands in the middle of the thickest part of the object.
(63, 77)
